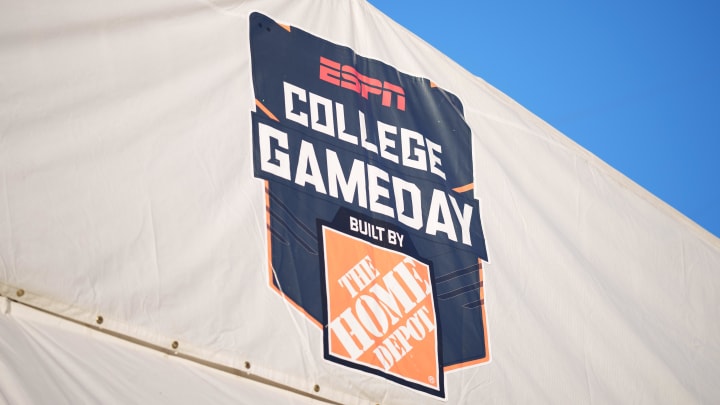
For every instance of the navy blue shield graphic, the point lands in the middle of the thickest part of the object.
(351, 148)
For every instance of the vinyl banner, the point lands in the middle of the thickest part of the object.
(273, 201)
(374, 231)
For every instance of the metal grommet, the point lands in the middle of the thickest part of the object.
(247, 365)
(316, 388)
(20, 292)
(99, 320)
(175, 344)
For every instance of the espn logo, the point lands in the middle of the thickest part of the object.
(347, 77)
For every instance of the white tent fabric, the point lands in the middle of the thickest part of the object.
(48, 360)
(127, 192)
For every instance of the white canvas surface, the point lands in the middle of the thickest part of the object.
(127, 191)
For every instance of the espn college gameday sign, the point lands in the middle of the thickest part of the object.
(374, 232)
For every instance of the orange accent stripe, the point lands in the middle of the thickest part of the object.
(485, 329)
(464, 188)
(432, 84)
(266, 111)
(269, 234)
(271, 276)
(287, 27)
(484, 314)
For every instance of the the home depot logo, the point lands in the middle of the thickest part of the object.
(380, 310)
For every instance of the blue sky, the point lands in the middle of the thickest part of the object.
(635, 82)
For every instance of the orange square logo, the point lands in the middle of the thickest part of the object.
(380, 312)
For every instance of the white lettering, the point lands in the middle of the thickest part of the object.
(376, 190)
(464, 217)
(400, 187)
(322, 123)
(347, 329)
(386, 142)
(439, 208)
(273, 161)
(413, 156)
(308, 160)
(342, 135)
(290, 91)
(415, 151)
(434, 151)
(353, 184)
